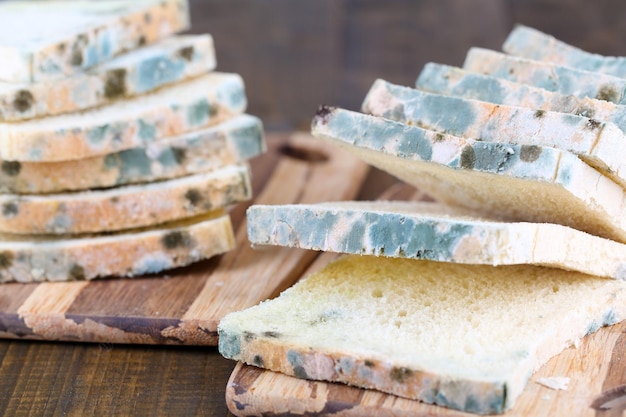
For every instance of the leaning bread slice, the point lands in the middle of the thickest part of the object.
(139, 71)
(565, 80)
(432, 231)
(44, 40)
(533, 44)
(127, 254)
(600, 144)
(516, 182)
(235, 140)
(466, 337)
(124, 124)
(448, 80)
(126, 207)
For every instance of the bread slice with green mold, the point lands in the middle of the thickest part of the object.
(513, 182)
(235, 140)
(565, 80)
(600, 144)
(124, 254)
(432, 231)
(137, 72)
(124, 124)
(48, 40)
(454, 81)
(533, 44)
(467, 337)
(125, 207)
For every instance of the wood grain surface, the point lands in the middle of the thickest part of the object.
(183, 307)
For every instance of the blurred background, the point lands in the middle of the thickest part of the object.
(295, 55)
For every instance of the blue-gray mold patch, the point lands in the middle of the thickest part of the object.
(198, 113)
(158, 71)
(249, 139)
(147, 131)
(133, 164)
(172, 157)
(229, 344)
(296, 360)
(97, 134)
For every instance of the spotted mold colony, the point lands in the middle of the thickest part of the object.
(545, 75)
(125, 207)
(125, 124)
(134, 252)
(42, 40)
(235, 140)
(518, 182)
(136, 72)
(432, 231)
(601, 144)
(444, 79)
(530, 43)
(423, 330)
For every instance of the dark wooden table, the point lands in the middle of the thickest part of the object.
(40, 378)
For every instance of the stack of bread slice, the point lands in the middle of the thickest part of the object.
(121, 149)
(455, 302)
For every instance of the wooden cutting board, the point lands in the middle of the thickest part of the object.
(183, 307)
(597, 385)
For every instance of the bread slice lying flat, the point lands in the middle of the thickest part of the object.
(124, 124)
(565, 80)
(531, 43)
(432, 231)
(600, 144)
(516, 182)
(460, 336)
(126, 207)
(136, 72)
(51, 39)
(235, 140)
(134, 252)
(453, 81)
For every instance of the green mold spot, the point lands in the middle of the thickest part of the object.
(297, 362)
(369, 363)
(76, 59)
(540, 113)
(248, 336)
(258, 361)
(6, 260)
(529, 153)
(77, 272)
(11, 168)
(199, 113)
(97, 134)
(229, 344)
(468, 157)
(176, 239)
(194, 197)
(607, 93)
(147, 131)
(10, 209)
(400, 374)
(186, 53)
(439, 137)
(272, 335)
(172, 157)
(115, 83)
(23, 101)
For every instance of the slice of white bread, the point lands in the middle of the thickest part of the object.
(600, 144)
(432, 231)
(466, 337)
(516, 182)
(136, 72)
(124, 124)
(235, 140)
(448, 80)
(533, 44)
(134, 252)
(126, 207)
(565, 80)
(43, 40)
